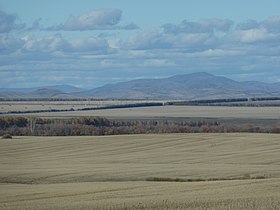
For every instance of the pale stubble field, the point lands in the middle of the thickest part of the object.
(111, 172)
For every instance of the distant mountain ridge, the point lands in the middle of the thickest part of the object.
(188, 86)
(56, 91)
(182, 87)
(62, 88)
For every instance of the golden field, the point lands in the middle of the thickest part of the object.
(111, 172)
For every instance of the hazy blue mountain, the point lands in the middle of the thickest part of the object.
(62, 88)
(184, 87)
(16, 90)
(189, 86)
(65, 88)
(56, 91)
(10, 94)
(46, 93)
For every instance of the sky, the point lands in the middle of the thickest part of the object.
(90, 43)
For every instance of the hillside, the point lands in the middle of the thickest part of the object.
(56, 91)
(188, 86)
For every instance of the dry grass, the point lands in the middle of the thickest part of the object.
(110, 172)
(249, 195)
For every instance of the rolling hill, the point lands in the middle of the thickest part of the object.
(185, 87)
(116, 172)
(189, 86)
(56, 91)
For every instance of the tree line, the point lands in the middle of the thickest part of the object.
(115, 106)
(34, 126)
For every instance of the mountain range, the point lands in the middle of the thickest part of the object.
(182, 87)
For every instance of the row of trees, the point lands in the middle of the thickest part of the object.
(228, 102)
(102, 126)
(116, 106)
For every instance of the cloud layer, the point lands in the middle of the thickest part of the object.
(105, 19)
(8, 22)
(203, 26)
(218, 46)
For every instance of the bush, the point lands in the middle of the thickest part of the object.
(7, 136)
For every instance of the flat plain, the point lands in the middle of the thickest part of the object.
(174, 112)
(111, 172)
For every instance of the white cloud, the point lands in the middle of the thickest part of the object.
(153, 39)
(9, 44)
(249, 67)
(248, 24)
(98, 19)
(49, 44)
(272, 24)
(57, 43)
(203, 26)
(146, 40)
(8, 22)
(157, 63)
(206, 45)
(92, 44)
(254, 35)
(191, 42)
(103, 19)
(217, 53)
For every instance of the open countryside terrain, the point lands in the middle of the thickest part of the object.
(112, 172)
(174, 112)
(199, 85)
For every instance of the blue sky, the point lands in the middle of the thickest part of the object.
(90, 43)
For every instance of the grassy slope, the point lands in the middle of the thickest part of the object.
(71, 172)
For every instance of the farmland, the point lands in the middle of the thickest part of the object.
(46, 105)
(147, 171)
(256, 109)
(174, 112)
(112, 172)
